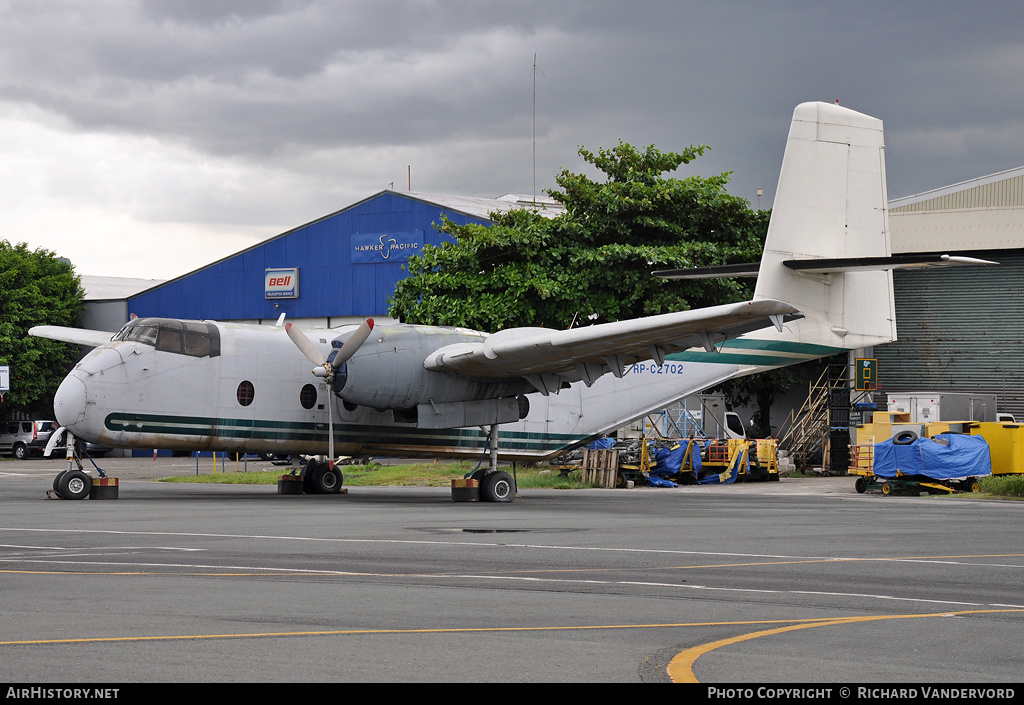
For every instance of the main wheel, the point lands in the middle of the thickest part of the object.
(74, 484)
(323, 479)
(497, 487)
(56, 481)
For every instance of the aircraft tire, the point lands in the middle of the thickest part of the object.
(307, 477)
(325, 479)
(74, 484)
(497, 487)
(56, 481)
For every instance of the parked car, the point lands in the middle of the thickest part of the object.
(24, 438)
(97, 450)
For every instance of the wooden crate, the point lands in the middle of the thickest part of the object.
(600, 467)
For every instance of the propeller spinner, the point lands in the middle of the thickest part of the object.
(327, 369)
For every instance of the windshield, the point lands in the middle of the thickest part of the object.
(192, 338)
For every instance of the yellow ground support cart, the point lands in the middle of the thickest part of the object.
(862, 459)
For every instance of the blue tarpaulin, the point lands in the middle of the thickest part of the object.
(669, 461)
(950, 456)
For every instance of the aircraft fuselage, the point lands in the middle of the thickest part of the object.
(245, 388)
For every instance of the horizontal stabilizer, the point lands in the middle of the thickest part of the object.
(825, 266)
(865, 264)
(742, 270)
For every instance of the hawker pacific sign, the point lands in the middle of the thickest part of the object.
(372, 248)
(282, 283)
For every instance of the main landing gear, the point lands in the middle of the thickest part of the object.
(320, 477)
(495, 485)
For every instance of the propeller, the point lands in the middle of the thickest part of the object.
(327, 369)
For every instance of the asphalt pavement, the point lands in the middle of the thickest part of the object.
(797, 581)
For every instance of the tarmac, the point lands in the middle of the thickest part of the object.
(797, 581)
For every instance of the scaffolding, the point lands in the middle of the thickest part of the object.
(674, 422)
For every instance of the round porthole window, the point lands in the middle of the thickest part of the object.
(307, 397)
(245, 393)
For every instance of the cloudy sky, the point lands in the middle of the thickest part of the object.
(149, 138)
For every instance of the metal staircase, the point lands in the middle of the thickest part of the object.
(818, 433)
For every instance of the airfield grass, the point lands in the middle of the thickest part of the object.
(411, 475)
(528, 477)
(1003, 486)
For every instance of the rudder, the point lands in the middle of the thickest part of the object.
(831, 203)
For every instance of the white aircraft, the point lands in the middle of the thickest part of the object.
(823, 286)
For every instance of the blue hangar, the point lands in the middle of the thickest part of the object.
(336, 270)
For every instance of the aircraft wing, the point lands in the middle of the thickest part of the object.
(586, 353)
(79, 336)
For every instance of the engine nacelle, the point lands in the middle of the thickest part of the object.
(387, 371)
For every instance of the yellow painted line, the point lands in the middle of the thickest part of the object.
(449, 630)
(680, 668)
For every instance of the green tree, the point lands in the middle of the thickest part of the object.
(38, 289)
(591, 263)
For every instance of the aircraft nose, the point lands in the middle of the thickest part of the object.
(69, 402)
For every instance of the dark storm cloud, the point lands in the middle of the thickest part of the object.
(261, 80)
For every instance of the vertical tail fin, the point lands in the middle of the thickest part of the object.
(831, 203)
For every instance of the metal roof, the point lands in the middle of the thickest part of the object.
(936, 198)
(483, 207)
(114, 288)
(986, 213)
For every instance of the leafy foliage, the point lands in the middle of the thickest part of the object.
(592, 262)
(38, 289)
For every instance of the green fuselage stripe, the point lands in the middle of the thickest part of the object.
(750, 351)
(317, 432)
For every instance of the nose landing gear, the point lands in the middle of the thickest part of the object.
(72, 482)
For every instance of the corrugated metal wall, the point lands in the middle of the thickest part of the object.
(960, 330)
(330, 283)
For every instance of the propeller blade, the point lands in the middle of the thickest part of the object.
(352, 344)
(330, 430)
(304, 344)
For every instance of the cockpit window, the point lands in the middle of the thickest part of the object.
(192, 338)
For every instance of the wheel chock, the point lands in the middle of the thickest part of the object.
(289, 484)
(465, 490)
(103, 488)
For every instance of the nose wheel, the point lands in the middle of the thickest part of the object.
(73, 482)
